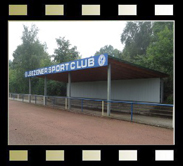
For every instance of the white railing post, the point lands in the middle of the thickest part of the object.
(102, 108)
(29, 97)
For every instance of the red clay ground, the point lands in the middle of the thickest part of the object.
(38, 125)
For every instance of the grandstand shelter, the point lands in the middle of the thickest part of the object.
(104, 77)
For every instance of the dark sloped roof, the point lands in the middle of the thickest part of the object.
(120, 69)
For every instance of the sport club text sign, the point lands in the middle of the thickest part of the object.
(91, 62)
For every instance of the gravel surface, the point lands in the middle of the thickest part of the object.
(31, 124)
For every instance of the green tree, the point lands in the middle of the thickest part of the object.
(160, 26)
(12, 80)
(160, 55)
(160, 52)
(110, 50)
(64, 53)
(29, 55)
(10, 64)
(55, 88)
(136, 36)
(151, 45)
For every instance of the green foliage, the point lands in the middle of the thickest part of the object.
(160, 55)
(160, 26)
(151, 45)
(110, 50)
(12, 80)
(136, 36)
(29, 55)
(169, 99)
(64, 53)
(160, 52)
(55, 88)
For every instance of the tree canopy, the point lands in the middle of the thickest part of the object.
(110, 50)
(150, 44)
(29, 55)
(136, 37)
(32, 54)
(64, 53)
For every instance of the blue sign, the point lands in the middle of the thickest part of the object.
(86, 63)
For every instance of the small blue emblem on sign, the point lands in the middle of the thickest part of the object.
(101, 60)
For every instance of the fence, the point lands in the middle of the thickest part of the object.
(148, 113)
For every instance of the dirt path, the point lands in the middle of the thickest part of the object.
(38, 125)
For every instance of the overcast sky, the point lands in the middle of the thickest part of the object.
(88, 36)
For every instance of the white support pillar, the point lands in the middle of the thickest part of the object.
(29, 90)
(102, 108)
(45, 90)
(69, 90)
(108, 89)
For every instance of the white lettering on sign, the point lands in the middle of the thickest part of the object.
(66, 66)
(83, 63)
(57, 68)
(41, 71)
(62, 67)
(78, 67)
(45, 70)
(90, 62)
(49, 70)
(72, 65)
(53, 69)
(37, 72)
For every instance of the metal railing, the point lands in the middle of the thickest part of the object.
(149, 113)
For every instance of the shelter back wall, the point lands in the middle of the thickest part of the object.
(133, 89)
